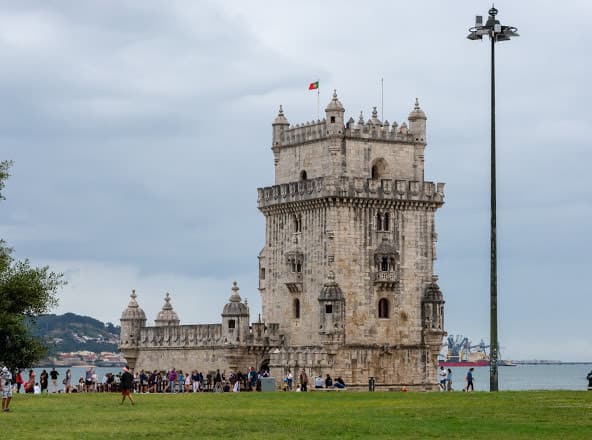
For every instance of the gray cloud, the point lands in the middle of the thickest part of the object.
(140, 132)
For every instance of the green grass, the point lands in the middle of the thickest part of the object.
(345, 415)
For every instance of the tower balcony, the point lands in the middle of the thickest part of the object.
(293, 281)
(384, 280)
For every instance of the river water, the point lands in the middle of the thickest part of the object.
(520, 377)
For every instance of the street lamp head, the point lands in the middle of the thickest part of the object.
(492, 27)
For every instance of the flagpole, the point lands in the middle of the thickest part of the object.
(318, 102)
(382, 98)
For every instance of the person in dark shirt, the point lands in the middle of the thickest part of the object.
(44, 379)
(127, 382)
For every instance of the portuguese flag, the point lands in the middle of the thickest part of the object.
(313, 85)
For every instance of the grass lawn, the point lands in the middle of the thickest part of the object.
(320, 415)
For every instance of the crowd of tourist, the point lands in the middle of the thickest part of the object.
(162, 381)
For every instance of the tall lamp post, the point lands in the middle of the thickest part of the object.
(496, 32)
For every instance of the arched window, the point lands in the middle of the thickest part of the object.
(383, 308)
(385, 222)
(296, 308)
(303, 175)
(384, 266)
(298, 267)
(379, 169)
(379, 222)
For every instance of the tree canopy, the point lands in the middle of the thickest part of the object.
(25, 293)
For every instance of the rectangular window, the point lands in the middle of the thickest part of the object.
(328, 308)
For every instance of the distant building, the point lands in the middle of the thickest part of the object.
(346, 271)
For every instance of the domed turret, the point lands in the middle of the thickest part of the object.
(432, 306)
(235, 317)
(167, 316)
(133, 310)
(234, 306)
(279, 125)
(132, 320)
(417, 123)
(331, 312)
(334, 114)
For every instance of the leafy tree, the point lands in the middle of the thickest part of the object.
(25, 293)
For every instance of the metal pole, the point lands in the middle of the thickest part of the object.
(493, 382)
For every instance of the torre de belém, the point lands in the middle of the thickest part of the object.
(346, 274)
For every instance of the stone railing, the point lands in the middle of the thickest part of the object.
(387, 277)
(181, 335)
(346, 187)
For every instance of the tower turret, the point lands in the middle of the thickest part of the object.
(132, 320)
(334, 113)
(417, 123)
(432, 315)
(235, 318)
(331, 312)
(167, 316)
(279, 125)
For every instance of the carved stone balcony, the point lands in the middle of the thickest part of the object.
(385, 280)
(293, 281)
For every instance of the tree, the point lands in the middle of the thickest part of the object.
(25, 293)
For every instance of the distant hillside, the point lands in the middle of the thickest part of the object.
(71, 332)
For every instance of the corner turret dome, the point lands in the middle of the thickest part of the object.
(334, 104)
(167, 316)
(331, 290)
(433, 293)
(280, 119)
(417, 112)
(235, 307)
(133, 310)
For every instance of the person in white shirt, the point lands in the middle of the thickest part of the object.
(6, 385)
(443, 375)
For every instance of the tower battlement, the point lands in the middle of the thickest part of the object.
(397, 191)
(312, 131)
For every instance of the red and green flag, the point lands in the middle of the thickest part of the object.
(313, 85)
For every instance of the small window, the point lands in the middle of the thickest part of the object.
(379, 222)
(332, 119)
(328, 308)
(262, 273)
(303, 175)
(231, 324)
(385, 222)
(383, 308)
(296, 308)
(298, 267)
(384, 266)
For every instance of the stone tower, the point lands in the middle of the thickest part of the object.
(347, 266)
(133, 319)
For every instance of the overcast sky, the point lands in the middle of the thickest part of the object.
(140, 131)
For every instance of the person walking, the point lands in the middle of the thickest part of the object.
(449, 380)
(470, 386)
(443, 376)
(6, 385)
(127, 383)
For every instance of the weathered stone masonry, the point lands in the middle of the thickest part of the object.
(346, 272)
